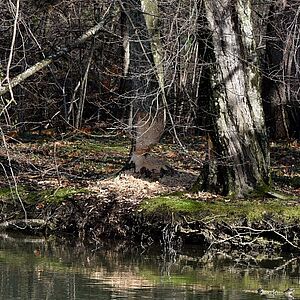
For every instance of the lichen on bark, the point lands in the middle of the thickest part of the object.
(240, 161)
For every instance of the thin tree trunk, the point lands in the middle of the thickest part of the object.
(146, 84)
(239, 161)
(281, 85)
(274, 87)
(83, 89)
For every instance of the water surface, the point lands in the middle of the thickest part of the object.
(33, 268)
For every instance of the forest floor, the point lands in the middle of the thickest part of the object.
(72, 186)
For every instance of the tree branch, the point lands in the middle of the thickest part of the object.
(54, 56)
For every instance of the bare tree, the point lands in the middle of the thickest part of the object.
(145, 83)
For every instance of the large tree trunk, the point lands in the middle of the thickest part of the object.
(239, 157)
(146, 84)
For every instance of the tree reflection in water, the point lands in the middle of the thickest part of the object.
(33, 268)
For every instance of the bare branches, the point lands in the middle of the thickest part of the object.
(58, 54)
(262, 235)
(21, 77)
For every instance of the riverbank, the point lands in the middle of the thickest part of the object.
(174, 220)
(70, 188)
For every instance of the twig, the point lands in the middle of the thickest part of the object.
(58, 54)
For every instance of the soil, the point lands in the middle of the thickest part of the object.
(71, 186)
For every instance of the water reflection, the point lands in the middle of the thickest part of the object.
(38, 269)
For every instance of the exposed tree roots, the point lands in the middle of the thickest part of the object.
(95, 221)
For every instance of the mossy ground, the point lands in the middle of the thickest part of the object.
(224, 210)
(74, 181)
(28, 195)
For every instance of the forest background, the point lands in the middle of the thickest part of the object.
(91, 87)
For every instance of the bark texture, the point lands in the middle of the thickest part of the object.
(239, 156)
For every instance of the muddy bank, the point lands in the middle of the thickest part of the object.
(172, 221)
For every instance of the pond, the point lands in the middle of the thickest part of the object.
(33, 268)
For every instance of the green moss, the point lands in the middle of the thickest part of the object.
(259, 191)
(29, 196)
(232, 210)
(5, 193)
(8, 194)
(170, 203)
(91, 147)
(59, 195)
